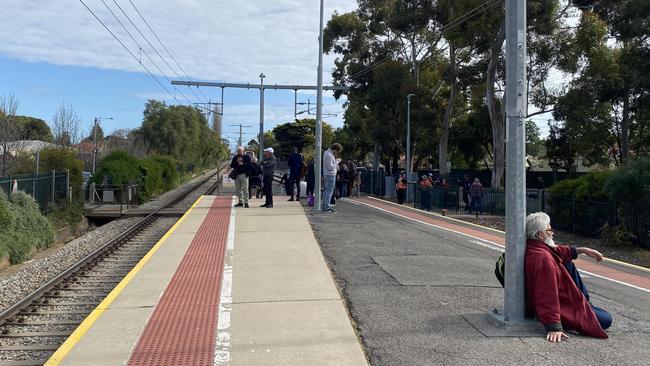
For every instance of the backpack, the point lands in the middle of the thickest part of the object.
(500, 269)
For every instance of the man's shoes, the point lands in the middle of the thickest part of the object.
(264, 205)
(290, 199)
(269, 206)
(245, 205)
(239, 204)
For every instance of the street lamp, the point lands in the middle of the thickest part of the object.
(319, 114)
(409, 189)
(97, 119)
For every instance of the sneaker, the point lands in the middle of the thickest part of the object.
(264, 205)
(269, 206)
(245, 205)
(239, 204)
(290, 199)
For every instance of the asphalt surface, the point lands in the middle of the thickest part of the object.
(415, 293)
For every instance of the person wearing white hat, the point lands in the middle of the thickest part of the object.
(268, 171)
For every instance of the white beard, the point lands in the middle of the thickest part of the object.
(550, 243)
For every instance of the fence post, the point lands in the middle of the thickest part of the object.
(53, 185)
(372, 186)
(91, 193)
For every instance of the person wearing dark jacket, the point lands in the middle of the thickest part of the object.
(295, 168)
(241, 164)
(311, 178)
(255, 180)
(268, 171)
(555, 292)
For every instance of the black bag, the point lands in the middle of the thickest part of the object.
(500, 269)
(232, 174)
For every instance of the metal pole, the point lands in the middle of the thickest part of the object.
(408, 145)
(53, 184)
(295, 103)
(94, 145)
(240, 135)
(319, 114)
(261, 139)
(516, 108)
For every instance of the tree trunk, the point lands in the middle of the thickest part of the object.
(625, 130)
(496, 119)
(446, 124)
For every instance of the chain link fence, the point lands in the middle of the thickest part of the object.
(46, 188)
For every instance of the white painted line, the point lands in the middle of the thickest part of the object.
(222, 349)
(490, 244)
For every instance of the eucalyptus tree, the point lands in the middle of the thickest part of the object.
(382, 47)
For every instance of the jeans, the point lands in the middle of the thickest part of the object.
(330, 181)
(343, 189)
(241, 188)
(604, 318)
(476, 205)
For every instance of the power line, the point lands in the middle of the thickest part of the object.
(150, 45)
(163, 45)
(131, 53)
(142, 50)
(452, 24)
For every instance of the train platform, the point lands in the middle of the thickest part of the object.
(236, 286)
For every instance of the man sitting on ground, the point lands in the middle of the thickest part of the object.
(555, 292)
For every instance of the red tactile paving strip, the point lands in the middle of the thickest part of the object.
(182, 328)
(598, 269)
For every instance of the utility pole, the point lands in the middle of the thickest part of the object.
(318, 154)
(408, 146)
(261, 138)
(516, 108)
(240, 141)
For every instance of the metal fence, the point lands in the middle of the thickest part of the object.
(45, 188)
(585, 217)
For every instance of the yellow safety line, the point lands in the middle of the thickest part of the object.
(624, 264)
(78, 333)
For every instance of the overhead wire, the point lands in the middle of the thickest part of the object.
(452, 24)
(150, 45)
(131, 53)
(163, 45)
(143, 51)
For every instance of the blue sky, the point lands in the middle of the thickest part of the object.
(54, 52)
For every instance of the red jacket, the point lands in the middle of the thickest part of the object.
(551, 293)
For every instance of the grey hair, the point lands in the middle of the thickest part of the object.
(240, 148)
(535, 223)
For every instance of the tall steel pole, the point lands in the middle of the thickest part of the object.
(94, 145)
(516, 109)
(319, 114)
(261, 138)
(408, 145)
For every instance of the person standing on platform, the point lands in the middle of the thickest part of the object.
(400, 187)
(241, 164)
(467, 184)
(255, 180)
(329, 174)
(352, 169)
(268, 171)
(295, 169)
(311, 182)
(476, 192)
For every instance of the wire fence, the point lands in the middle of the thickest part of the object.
(46, 188)
(579, 216)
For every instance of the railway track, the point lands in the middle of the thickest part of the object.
(34, 327)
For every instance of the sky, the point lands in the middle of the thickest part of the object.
(56, 52)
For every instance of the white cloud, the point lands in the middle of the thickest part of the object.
(215, 40)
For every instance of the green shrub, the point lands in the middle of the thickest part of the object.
(630, 182)
(23, 227)
(120, 166)
(616, 236)
(64, 213)
(170, 176)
